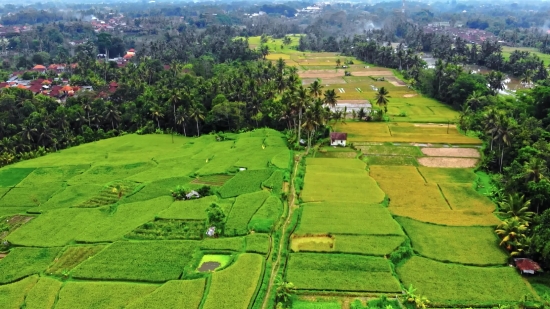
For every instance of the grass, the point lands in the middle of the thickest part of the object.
(457, 244)
(391, 160)
(97, 295)
(23, 262)
(387, 150)
(452, 284)
(465, 197)
(72, 256)
(275, 182)
(234, 286)
(112, 263)
(157, 188)
(212, 180)
(31, 196)
(339, 272)
(402, 133)
(245, 182)
(10, 177)
(375, 245)
(161, 229)
(338, 180)
(226, 243)
(245, 207)
(347, 218)
(70, 196)
(43, 294)
(507, 50)
(173, 294)
(257, 243)
(448, 175)
(192, 209)
(62, 226)
(301, 304)
(12, 296)
(265, 218)
(103, 174)
(43, 175)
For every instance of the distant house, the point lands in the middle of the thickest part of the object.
(527, 266)
(338, 139)
(192, 195)
(39, 68)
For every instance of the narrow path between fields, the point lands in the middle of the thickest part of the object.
(282, 241)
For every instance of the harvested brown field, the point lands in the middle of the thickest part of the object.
(372, 73)
(353, 102)
(447, 162)
(434, 125)
(451, 152)
(409, 95)
(395, 81)
(321, 74)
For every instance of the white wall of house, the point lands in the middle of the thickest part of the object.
(338, 143)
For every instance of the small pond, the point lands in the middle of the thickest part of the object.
(211, 262)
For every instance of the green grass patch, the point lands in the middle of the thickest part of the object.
(465, 197)
(339, 180)
(234, 286)
(347, 218)
(457, 244)
(245, 182)
(44, 175)
(158, 188)
(10, 177)
(12, 296)
(43, 294)
(103, 174)
(30, 196)
(192, 209)
(448, 175)
(109, 194)
(387, 150)
(59, 227)
(70, 196)
(457, 285)
(7, 211)
(340, 272)
(541, 284)
(156, 261)
(161, 229)
(97, 295)
(173, 294)
(245, 207)
(226, 243)
(257, 243)
(281, 159)
(23, 262)
(265, 218)
(302, 304)
(391, 160)
(72, 256)
(212, 180)
(275, 182)
(355, 244)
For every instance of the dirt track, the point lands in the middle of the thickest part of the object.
(451, 152)
(447, 162)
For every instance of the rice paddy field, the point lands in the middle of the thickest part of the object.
(96, 226)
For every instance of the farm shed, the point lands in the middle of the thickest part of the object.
(338, 139)
(527, 266)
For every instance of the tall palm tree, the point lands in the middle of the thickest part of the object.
(112, 115)
(300, 104)
(195, 112)
(316, 89)
(504, 135)
(475, 100)
(516, 207)
(382, 98)
(175, 98)
(156, 113)
(331, 98)
(87, 107)
(181, 117)
(496, 81)
(535, 169)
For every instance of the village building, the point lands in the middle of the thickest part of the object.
(527, 266)
(338, 139)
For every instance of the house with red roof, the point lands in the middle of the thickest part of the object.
(39, 68)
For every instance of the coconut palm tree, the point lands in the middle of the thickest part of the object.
(382, 98)
(512, 234)
(195, 112)
(338, 62)
(496, 81)
(316, 89)
(331, 98)
(175, 98)
(535, 169)
(475, 100)
(504, 135)
(302, 101)
(181, 117)
(515, 206)
(156, 113)
(112, 115)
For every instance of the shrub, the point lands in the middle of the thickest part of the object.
(180, 193)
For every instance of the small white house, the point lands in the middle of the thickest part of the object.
(338, 139)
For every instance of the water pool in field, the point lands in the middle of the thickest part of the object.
(211, 262)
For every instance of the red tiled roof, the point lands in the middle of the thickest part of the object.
(39, 67)
(132, 50)
(21, 86)
(66, 88)
(527, 265)
(337, 136)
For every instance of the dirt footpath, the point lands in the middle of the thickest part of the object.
(447, 162)
(451, 152)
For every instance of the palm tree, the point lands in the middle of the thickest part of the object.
(196, 113)
(496, 81)
(316, 89)
(512, 234)
(300, 104)
(338, 62)
(535, 169)
(87, 107)
(112, 115)
(331, 98)
(475, 100)
(181, 117)
(156, 113)
(516, 207)
(504, 134)
(382, 98)
(175, 98)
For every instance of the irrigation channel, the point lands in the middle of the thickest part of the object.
(282, 241)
